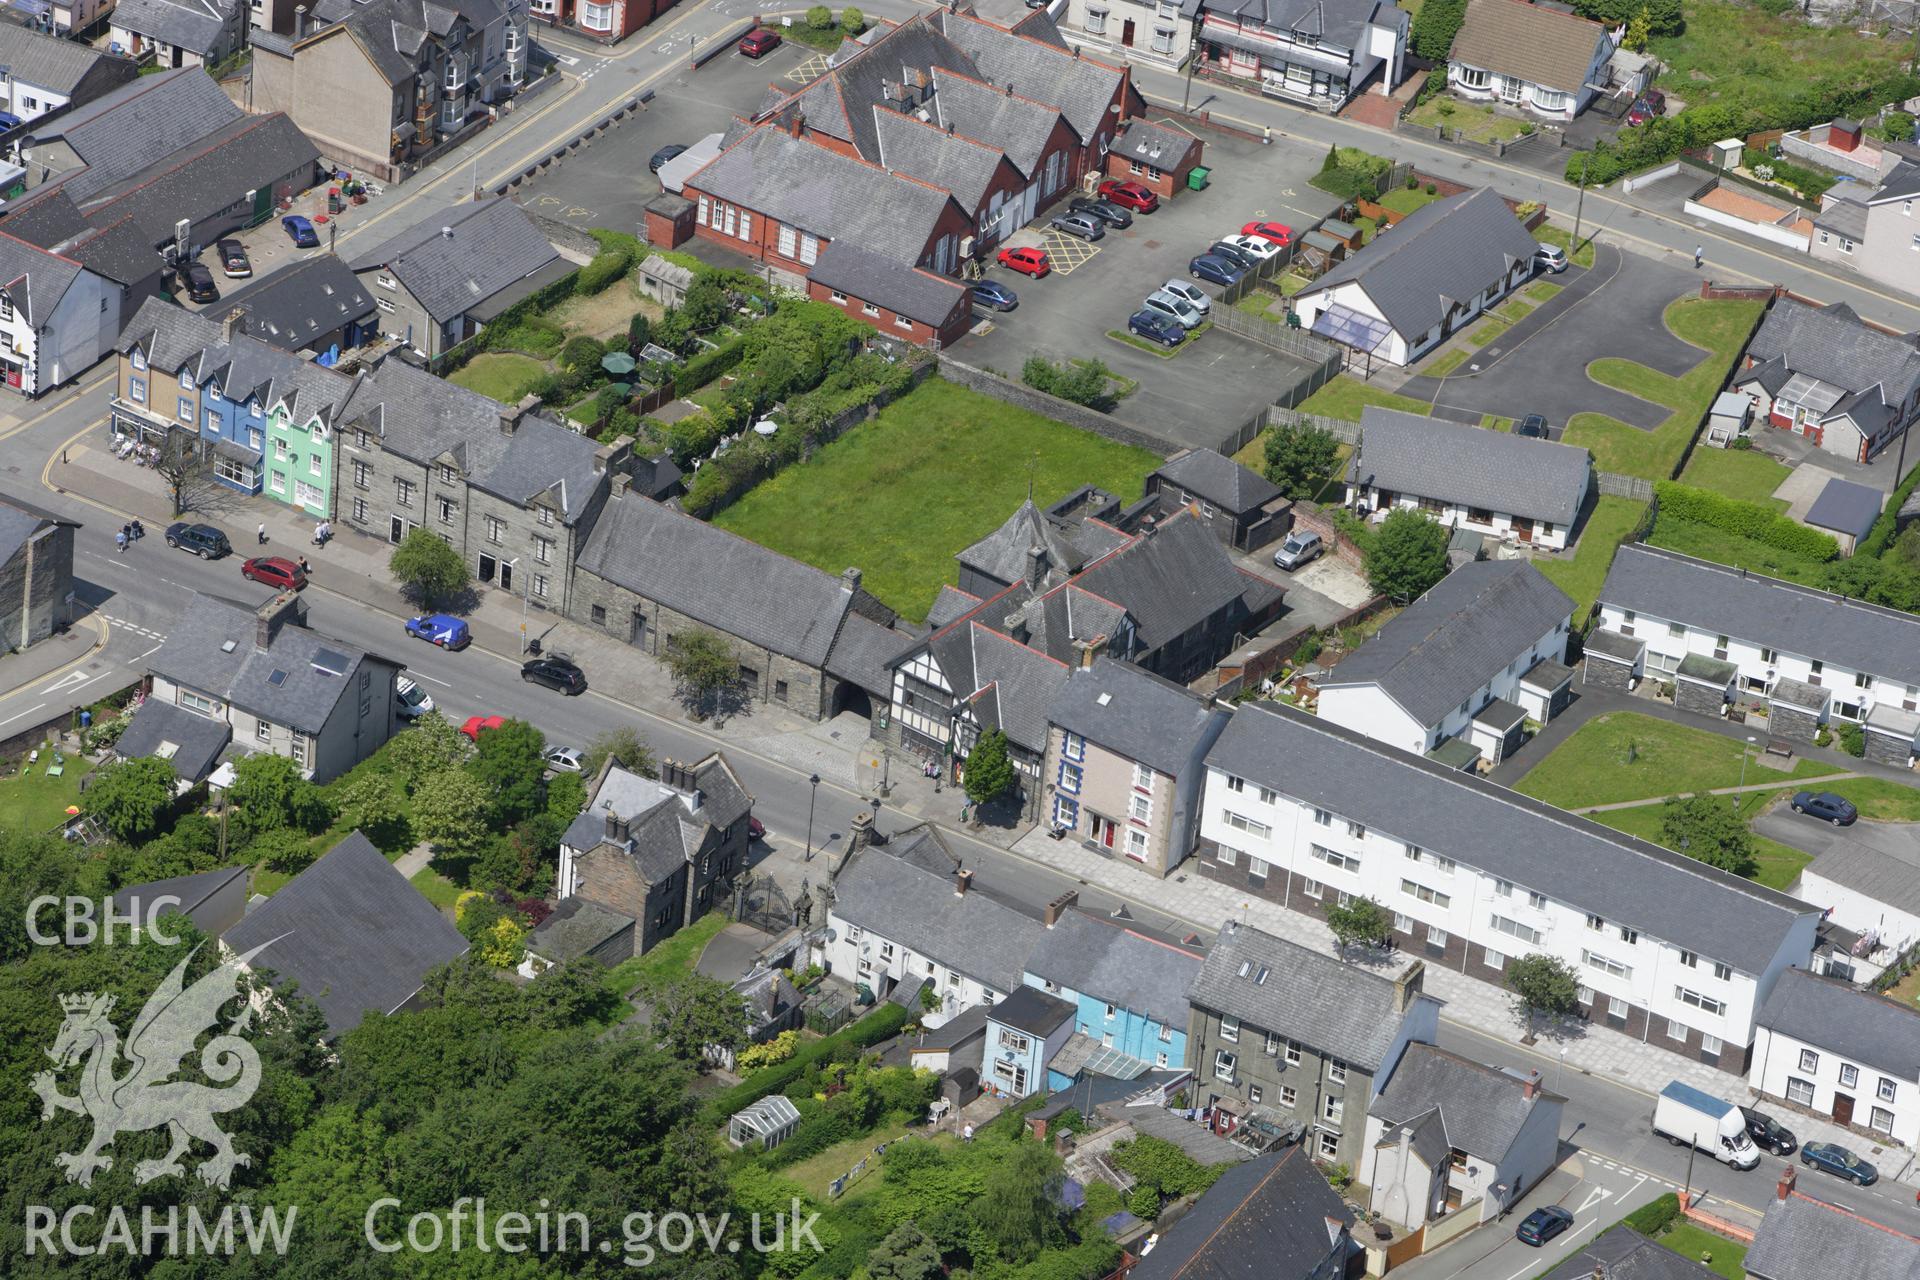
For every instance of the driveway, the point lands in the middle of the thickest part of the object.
(1895, 839)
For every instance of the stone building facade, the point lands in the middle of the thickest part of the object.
(36, 575)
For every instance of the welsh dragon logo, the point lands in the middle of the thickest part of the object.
(144, 1097)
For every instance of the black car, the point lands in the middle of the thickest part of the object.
(234, 263)
(1543, 1224)
(1233, 253)
(663, 155)
(203, 540)
(1769, 1134)
(994, 295)
(1826, 806)
(556, 671)
(1211, 266)
(199, 282)
(1157, 327)
(1105, 210)
(1532, 425)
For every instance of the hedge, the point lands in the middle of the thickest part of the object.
(542, 299)
(606, 267)
(1881, 536)
(698, 371)
(878, 1025)
(1652, 1218)
(1747, 519)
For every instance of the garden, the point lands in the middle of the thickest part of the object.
(1662, 1222)
(819, 29)
(1473, 121)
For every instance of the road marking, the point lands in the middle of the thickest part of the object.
(29, 711)
(416, 674)
(66, 681)
(1594, 1197)
(151, 651)
(1067, 252)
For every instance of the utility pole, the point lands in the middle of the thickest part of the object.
(1579, 208)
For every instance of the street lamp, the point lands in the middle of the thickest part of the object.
(1744, 749)
(1560, 1076)
(814, 794)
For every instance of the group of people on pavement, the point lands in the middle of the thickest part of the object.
(130, 532)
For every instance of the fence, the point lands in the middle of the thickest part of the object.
(1615, 485)
(1283, 338)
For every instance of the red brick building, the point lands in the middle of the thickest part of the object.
(1157, 157)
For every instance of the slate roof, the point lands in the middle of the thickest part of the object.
(194, 25)
(886, 282)
(922, 149)
(974, 934)
(34, 279)
(1171, 578)
(1135, 714)
(1841, 1018)
(1442, 253)
(1035, 68)
(575, 927)
(1845, 507)
(1471, 466)
(189, 894)
(1218, 479)
(950, 604)
(494, 245)
(123, 132)
(969, 1024)
(664, 830)
(1481, 1107)
(864, 654)
(20, 521)
(1158, 145)
(1628, 1255)
(1031, 1009)
(1765, 611)
(49, 62)
(1272, 1216)
(1878, 370)
(196, 741)
(301, 303)
(1011, 121)
(351, 932)
(1801, 1238)
(1539, 45)
(1002, 554)
(244, 367)
(1504, 834)
(1014, 685)
(211, 649)
(1341, 1011)
(200, 180)
(1446, 646)
(119, 251)
(1340, 23)
(1113, 964)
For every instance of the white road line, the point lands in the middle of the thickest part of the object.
(421, 675)
(29, 711)
(153, 650)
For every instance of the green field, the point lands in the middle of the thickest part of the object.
(1708, 543)
(39, 803)
(1624, 756)
(1746, 474)
(1739, 53)
(1611, 520)
(501, 375)
(1344, 397)
(1779, 864)
(938, 470)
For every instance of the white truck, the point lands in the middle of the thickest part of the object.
(1686, 1117)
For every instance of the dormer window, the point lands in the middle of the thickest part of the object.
(186, 380)
(213, 391)
(138, 357)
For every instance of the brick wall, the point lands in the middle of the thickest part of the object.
(1025, 397)
(1307, 516)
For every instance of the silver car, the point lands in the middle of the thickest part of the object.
(1084, 225)
(1172, 304)
(564, 759)
(1549, 257)
(1301, 546)
(1191, 294)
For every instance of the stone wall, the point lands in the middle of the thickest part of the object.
(1602, 674)
(1890, 749)
(1700, 699)
(1025, 397)
(1792, 723)
(34, 586)
(609, 877)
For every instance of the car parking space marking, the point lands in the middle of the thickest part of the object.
(1065, 252)
(812, 69)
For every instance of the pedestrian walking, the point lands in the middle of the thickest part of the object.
(966, 1134)
(120, 540)
(261, 533)
(304, 566)
(1699, 256)
(319, 533)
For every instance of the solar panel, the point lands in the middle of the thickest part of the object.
(331, 661)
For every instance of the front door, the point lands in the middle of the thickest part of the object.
(506, 576)
(487, 566)
(1102, 829)
(396, 529)
(637, 632)
(1126, 34)
(1523, 528)
(1842, 1109)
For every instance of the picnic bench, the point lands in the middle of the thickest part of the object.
(1779, 747)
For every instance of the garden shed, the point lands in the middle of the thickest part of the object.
(767, 1123)
(665, 282)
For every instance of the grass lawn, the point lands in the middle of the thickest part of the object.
(1406, 199)
(1746, 474)
(1344, 397)
(1477, 123)
(816, 1173)
(1880, 800)
(939, 469)
(1291, 283)
(1741, 54)
(1721, 547)
(1719, 326)
(1489, 328)
(606, 313)
(1593, 766)
(436, 888)
(1548, 233)
(1612, 520)
(1694, 1243)
(37, 802)
(1541, 290)
(1779, 864)
(502, 375)
(675, 956)
(1447, 363)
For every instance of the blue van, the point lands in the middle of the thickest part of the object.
(442, 629)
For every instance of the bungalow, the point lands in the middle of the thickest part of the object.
(1539, 60)
(1803, 1238)
(1829, 1049)
(1319, 52)
(1404, 293)
(1824, 373)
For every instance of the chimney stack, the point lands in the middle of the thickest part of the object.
(617, 487)
(850, 579)
(961, 879)
(1531, 1089)
(1058, 907)
(796, 122)
(300, 22)
(235, 321)
(1036, 565)
(1407, 987)
(860, 832)
(616, 828)
(1086, 650)
(1787, 1178)
(1016, 625)
(271, 616)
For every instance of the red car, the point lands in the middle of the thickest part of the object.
(1028, 262)
(1129, 195)
(1277, 232)
(275, 571)
(759, 42)
(477, 725)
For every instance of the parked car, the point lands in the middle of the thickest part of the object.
(1105, 210)
(1233, 253)
(556, 671)
(442, 629)
(1173, 305)
(1543, 1224)
(564, 759)
(414, 701)
(234, 263)
(756, 829)
(198, 282)
(203, 540)
(9, 121)
(663, 155)
(1259, 248)
(759, 42)
(1826, 806)
(1769, 1134)
(1028, 261)
(1533, 425)
(1156, 326)
(1084, 225)
(1831, 1157)
(477, 725)
(1278, 232)
(1549, 257)
(1195, 296)
(1301, 546)
(1130, 195)
(994, 295)
(300, 231)
(275, 571)
(1640, 112)
(1213, 267)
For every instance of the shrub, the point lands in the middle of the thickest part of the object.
(1413, 182)
(607, 266)
(1083, 382)
(1433, 30)
(639, 332)
(581, 353)
(1656, 1216)
(699, 370)
(820, 18)
(1432, 189)
(852, 21)
(878, 1025)
(1853, 740)
(1745, 519)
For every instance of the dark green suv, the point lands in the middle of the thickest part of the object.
(203, 540)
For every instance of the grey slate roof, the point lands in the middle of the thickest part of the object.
(1219, 479)
(1628, 1255)
(34, 279)
(972, 933)
(1831, 344)
(196, 741)
(1443, 253)
(1014, 685)
(1841, 1018)
(1707, 670)
(1845, 507)
(1471, 466)
(1107, 962)
(173, 338)
(1335, 1008)
(1481, 1107)
(1035, 68)
(1170, 579)
(1031, 1009)
(1765, 611)
(197, 655)
(1799, 693)
(1010, 121)
(951, 603)
(19, 521)
(194, 25)
(664, 831)
(205, 177)
(494, 245)
(1607, 643)
(897, 285)
(1134, 713)
(1158, 145)
(49, 62)
(143, 902)
(1447, 645)
(575, 928)
(1002, 554)
(1504, 834)
(969, 1024)
(352, 932)
(125, 131)
(1340, 23)
(1274, 1216)
(923, 150)
(864, 652)
(300, 303)
(1801, 1238)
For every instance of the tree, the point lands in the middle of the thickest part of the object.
(427, 567)
(1433, 30)
(1332, 161)
(181, 466)
(1019, 1208)
(819, 18)
(566, 797)
(691, 1012)
(906, 1254)
(1362, 922)
(623, 744)
(371, 804)
(131, 797)
(989, 768)
(429, 745)
(502, 945)
(450, 812)
(639, 333)
(1706, 827)
(1409, 555)
(1639, 30)
(704, 306)
(1896, 126)
(1300, 458)
(286, 849)
(1542, 984)
(703, 667)
(268, 793)
(507, 763)
(853, 22)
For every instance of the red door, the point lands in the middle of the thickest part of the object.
(1523, 528)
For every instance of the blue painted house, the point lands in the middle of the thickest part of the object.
(1024, 1032)
(1128, 990)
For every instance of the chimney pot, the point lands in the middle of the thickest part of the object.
(616, 828)
(235, 321)
(961, 880)
(850, 577)
(1058, 907)
(1787, 1178)
(1531, 1088)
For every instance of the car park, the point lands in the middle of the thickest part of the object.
(663, 155)
(275, 571)
(300, 230)
(1156, 326)
(1543, 1224)
(557, 672)
(234, 263)
(442, 629)
(1175, 306)
(994, 296)
(1831, 1157)
(414, 701)
(1130, 195)
(1278, 232)
(203, 540)
(1214, 268)
(1550, 257)
(1027, 260)
(1083, 225)
(477, 725)
(1195, 296)
(1301, 546)
(564, 759)
(198, 282)
(1769, 1134)
(1258, 247)
(1533, 425)
(1240, 258)
(1105, 210)
(1826, 806)
(759, 42)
